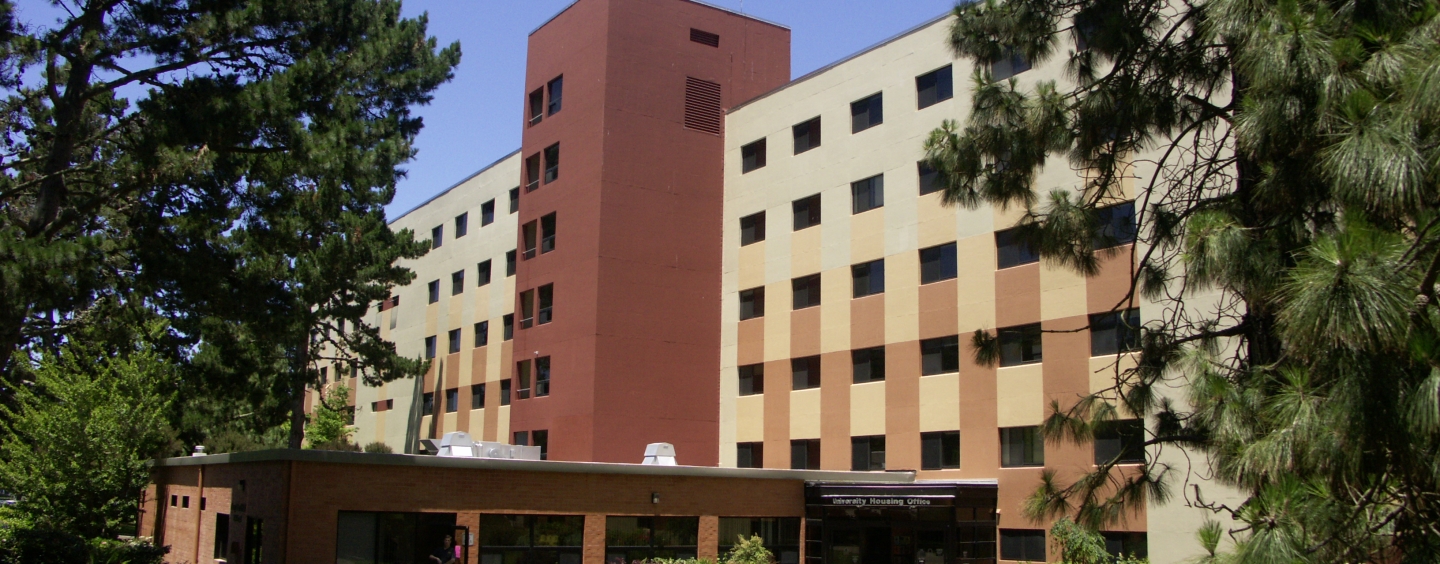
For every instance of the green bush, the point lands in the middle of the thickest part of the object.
(26, 545)
(749, 551)
(379, 448)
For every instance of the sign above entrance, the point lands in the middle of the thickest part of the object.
(889, 501)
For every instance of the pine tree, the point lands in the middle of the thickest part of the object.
(1288, 241)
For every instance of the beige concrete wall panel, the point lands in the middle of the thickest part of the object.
(940, 402)
(902, 297)
(1062, 291)
(936, 225)
(835, 379)
(805, 332)
(1110, 289)
(1020, 395)
(502, 425)
(867, 410)
(805, 414)
(975, 283)
(805, 250)
(750, 345)
(867, 321)
(1017, 295)
(867, 235)
(752, 266)
(750, 419)
(939, 310)
(777, 415)
(835, 310)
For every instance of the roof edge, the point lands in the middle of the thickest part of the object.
(454, 186)
(699, 2)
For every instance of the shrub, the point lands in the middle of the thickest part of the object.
(27, 545)
(749, 551)
(379, 448)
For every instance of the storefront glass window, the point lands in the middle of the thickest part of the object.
(531, 539)
(781, 535)
(628, 539)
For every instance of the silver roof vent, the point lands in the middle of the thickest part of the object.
(659, 454)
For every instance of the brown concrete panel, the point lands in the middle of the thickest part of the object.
(478, 364)
(835, 380)
(1066, 373)
(1108, 289)
(777, 414)
(750, 341)
(939, 312)
(1016, 484)
(979, 432)
(1017, 295)
(805, 332)
(867, 321)
(902, 405)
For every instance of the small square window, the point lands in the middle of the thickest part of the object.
(929, 178)
(934, 87)
(750, 455)
(752, 303)
(867, 113)
(1114, 332)
(482, 333)
(457, 282)
(752, 379)
(1021, 446)
(487, 213)
(1121, 442)
(430, 347)
(940, 450)
(437, 236)
(805, 373)
(1117, 225)
(868, 279)
(752, 228)
(509, 263)
(867, 453)
(752, 156)
(433, 288)
(462, 225)
(940, 355)
(1011, 250)
(868, 365)
(482, 274)
(867, 194)
(552, 163)
(806, 291)
(505, 393)
(1023, 545)
(1020, 345)
(454, 341)
(522, 438)
(514, 200)
(1011, 63)
(452, 400)
(477, 396)
(807, 135)
(556, 88)
(938, 263)
(807, 212)
(507, 327)
(1126, 544)
(805, 454)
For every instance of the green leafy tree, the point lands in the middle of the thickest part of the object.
(330, 423)
(749, 551)
(1283, 158)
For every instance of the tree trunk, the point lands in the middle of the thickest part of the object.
(300, 376)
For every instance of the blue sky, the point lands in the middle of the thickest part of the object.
(473, 118)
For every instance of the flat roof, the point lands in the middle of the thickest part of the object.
(341, 457)
(698, 2)
(454, 186)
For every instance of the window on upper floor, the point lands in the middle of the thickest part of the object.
(509, 263)
(805, 454)
(527, 309)
(1021, 446)
(929, 178)
(427, 404)
(867, 453)
(552, 163)
(940, 450)
(541, 438)
(437, 236)
(752, 228)
(867, 194)
(807, 135)
(868, 365)
(867, 113)
(752, 303)
(805, 291)
(457, 282)
(430, 347)
(482, 333)
(752, 379)
(1130, 544)
(542, 376)
(477, 396)
(934, 87)
(1011, 63)
(433, 289)
(938, 263)
(1117, 225)
(537, 105)
(546, 298)
(462, 225)
(805, 373)
(1020, 345)
(940, 355)
(752, 156)
(556, 88)
(482, 274)
(532, 172)
(453, 342)
(1121, 441)
(868, 278)
(514, 200)
(507, 327)
(1012, 250)
(487, 213)
(547, 233)
(530, 239)
(750, 455)
(452, 400)
(505, 394)
(522, 380)
(806, 211)
(1114, 332)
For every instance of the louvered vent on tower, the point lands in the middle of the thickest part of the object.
(704, 37)
(702, 105)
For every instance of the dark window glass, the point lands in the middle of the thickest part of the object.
(1022, 545)
(477, 396)
(547, 233)
(1117, 225)
(1020, 345)
(482, 333)
(546, 296)
(505, 392)
(780, 535)
(556, 88)
(454, 341)
(867, 453)
(514, 200)
(541, 438)
(940, 355)
(867, 113)
(487, 213)
(752, 156)
(632, 539)
(437, 236)
(537, 105)
(542, 376)
(529, 239)
(527, 309)
(805, 454)
(552, 163)
(430, 347)
(929, 178)
(522, 438)
(1114, 332)
(805, 373)
(1126, 544)
(938, 263)
(868, 278)
(433, 288)
(507, 325)
(1012, 251)
(750, 455)
(483, 273)
(868, 194)
(1120, 441)
(452, 400)
(1021, 446)
(457, 282)
(522, 380)
(752, 303)
(868, 365)
(1011, 63)
(940, 450)
(752, 379)
(752, 228)
(807, 212)
(806, 290)
(462, 225)
(222, 536)
(532, 172)
(934, 87)
(807, 135)
(509, 263)
(530, 538)
(427, 404)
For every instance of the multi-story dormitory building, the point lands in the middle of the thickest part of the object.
(605, 287)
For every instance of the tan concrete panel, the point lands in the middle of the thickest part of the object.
(939, 311)
(902, 297)
(1105, 372)
(835, 379)
(1006, 218)
(940, 402)
(752, 266)
(777, 414)
(805, 251)
(867, 236)
(975, 283)
(1020, 395)
(936, 221)
(867, 409)
(805, 414)
(1017, 295)
(450, 422)
(502, 425)
(1062, 292)
(750, 348)
(867, 321)
(804, 332)
(1111, 287)
(835, 310)
(750, 418)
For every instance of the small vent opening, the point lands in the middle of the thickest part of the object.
(704, 37)
(702, 105)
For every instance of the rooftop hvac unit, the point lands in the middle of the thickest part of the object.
(458, 444)
(659, 454)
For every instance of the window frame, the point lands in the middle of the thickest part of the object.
(1128, 436)
(932, 185)
(867, 112)
(437, 236)
(433, 290)
(1030, 544)
(810, 131)
(811, 287)
(487, 213)
(864, 456)
(810, 205)
(940, 450)
(555, 95)
(457, 282)
(544, 304)
(867, 194)
(752, 228)
(752, 156)
(1012, 63)
(482, 334)
(750, 454)
(944, 87)
(547, 232)
(551, 162)
(872, 359)
(1030, 444)
(453, 340)
(452, 400)
(515, 200)
(867, 279)
(431, 345)
(948, 351)
(1012, 251)
(1115, 332)
(462, 225)
(810, 448)
(943, 263)
(808, 367)
(754, 374)
(483, 272)
(477, 396)
(1019, 339)
(756, 299)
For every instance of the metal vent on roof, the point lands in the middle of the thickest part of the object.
(702, 105)
(704, 37)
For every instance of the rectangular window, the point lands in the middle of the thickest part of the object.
(482, 274)
(452, 400)
(521, 438)
(806, 291)
(807, 135)
(546, 296)
(752, 228)
(752, 379)
(547, 233)
(940, 450)
(537, 105)
(868, 364)
(1011, 250)
(482, 333)
(1114, 332)
(752, 303)
(1021, 446)
(867, 453)
(940, 355)
(528, 538)
(427, 404)
(430, 347)
(752, 156)
(541, 438)
(646, 539)
(532, 172)
(934, 87)
(462, 225)
(529, 240)
(222, 536)
(702, 105)
(807, 212)
(780, 535)
(514, 200)
(542, 376)
(868, 194)
(505, 392)
(454, 343)
(522, 380)
(868, 278)
(457, 282)
(507, 327)
(1024, 545)
(750, 455)
(509, 263)
(527, 309)
(433, 288)
(1121, 442)
(1011, 63)
(938, 263)
(1126, 544)
(487, 213)
(1020, 345)
(929, 178)
(477, 396)
(704, 37)
(867, 113)
(805, 454)
(552, 163)
(437, 236)
(1117, 225)
(805, 373)
(557, 95)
